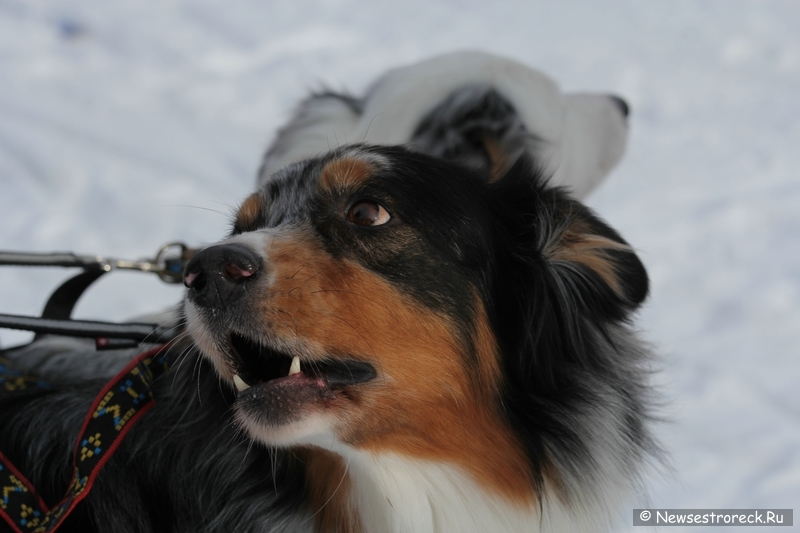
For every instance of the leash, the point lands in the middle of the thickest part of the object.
(168, 264)
(118, 406)
(107, 335)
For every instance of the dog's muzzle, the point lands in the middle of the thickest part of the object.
(218, 276)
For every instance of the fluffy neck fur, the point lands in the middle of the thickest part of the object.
(360, 492)
(393, 494)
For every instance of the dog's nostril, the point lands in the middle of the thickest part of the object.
(190, 279)
(236, 272)
(195, 280)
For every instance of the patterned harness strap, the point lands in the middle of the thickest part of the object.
(15, 383)
(119, 405)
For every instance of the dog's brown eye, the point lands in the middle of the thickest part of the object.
(367, 213)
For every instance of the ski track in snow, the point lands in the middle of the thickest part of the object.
(125, 126)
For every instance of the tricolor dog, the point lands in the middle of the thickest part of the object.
(414, 325)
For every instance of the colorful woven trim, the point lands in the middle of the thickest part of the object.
(15, 383)
(118, 406)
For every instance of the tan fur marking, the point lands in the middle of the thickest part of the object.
(329, 489)
(487, 354)
(344, 173)
(580, 245)
(427, 402)
(250, 210)
(499, 158)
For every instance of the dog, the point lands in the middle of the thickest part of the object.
(422, 331)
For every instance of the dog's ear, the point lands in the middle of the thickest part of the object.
(563, 277)
(591, 261)
(590, 265)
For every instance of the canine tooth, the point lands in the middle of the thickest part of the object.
(240, 384)
(295, 368)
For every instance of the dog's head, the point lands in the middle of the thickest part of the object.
(381, 299)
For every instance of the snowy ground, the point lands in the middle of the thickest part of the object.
(124, 126)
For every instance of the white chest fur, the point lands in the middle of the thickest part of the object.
(393, 494)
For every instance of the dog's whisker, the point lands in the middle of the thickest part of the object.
(226, 215)
(369, 126)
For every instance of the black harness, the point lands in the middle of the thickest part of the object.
(123, 400)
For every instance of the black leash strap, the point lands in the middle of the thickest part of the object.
(56, 259)
(121, 403)
(133, 331)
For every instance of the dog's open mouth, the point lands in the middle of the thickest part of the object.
(260, 366)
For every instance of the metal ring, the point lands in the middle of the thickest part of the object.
(170, 270)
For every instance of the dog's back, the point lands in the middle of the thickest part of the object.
(452, 106)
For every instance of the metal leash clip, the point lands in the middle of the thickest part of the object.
(168, 263)
(171, 261)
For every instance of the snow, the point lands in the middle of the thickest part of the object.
(126, 125)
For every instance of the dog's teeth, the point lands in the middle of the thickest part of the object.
(240, 384)
(295, 368)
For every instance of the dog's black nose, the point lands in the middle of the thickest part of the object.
(216, 276)
(621, 104)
